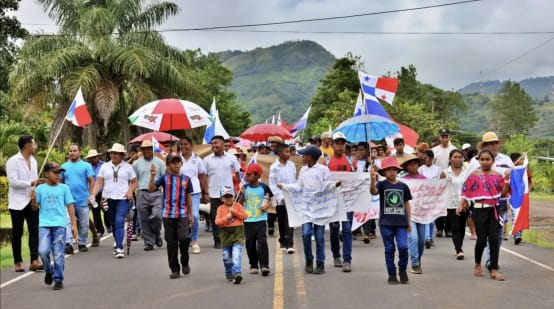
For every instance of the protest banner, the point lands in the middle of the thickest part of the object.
(318, 203)
(354, 189)
(371, 211)
(429, 199)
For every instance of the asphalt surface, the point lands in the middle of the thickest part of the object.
(95, 279)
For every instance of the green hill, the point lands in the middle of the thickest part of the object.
(537, 87)
(281, 78)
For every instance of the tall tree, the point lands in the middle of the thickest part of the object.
(511, 111)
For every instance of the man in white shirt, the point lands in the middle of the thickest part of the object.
(22, 173)
(442, 151)
(220, 167)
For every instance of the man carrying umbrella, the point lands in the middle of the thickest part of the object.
(220, 167)
(149, 203)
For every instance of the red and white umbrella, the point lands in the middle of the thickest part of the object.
(261, 132)
(161, 137)
(170, 114)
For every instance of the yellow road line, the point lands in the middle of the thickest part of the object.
(278, 282)
(299, 275)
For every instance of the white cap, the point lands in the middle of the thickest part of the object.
(466, 146)
(339, 135)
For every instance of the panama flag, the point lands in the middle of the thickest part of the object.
(301, 124)
(78, 113)
(519, 183)
(360, 109)
(215, 128)
(157, 147)
(383, 88)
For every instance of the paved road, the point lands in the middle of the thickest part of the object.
(96, 280)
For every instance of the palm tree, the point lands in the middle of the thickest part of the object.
(109, 48)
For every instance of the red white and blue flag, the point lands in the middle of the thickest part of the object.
(78, 113)
(373, 87)
(157, 147)
(301, 124)
(519, 201)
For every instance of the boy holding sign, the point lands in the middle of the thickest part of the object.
(394, 216)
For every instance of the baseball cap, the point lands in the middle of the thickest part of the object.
(312, 151)
(444, 131)
(339, 135)
(254, 168)
(466, 146)
(53, 167)
(325, 135)
(226, 191)
(172, 157)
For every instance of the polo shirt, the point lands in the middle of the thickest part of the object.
(220, 170)
(142, 170)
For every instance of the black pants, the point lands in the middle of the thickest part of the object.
(18, 217)
(271, 217)
(177, 238)
(214, 204)
(255, 239)
(98, 213)
(286, 236)
(458, 226)
(369, 227)
(486, 228)
(442, 224)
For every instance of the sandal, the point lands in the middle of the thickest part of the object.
(496, 276)
(477, 271)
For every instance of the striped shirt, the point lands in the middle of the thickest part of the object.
(176, 188)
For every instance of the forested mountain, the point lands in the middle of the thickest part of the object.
(538, 87)
(281, 78)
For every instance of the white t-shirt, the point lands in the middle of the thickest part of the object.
(192, 168)
(502, 164)
(116, 187)
(454, 184)
(431, 172)
(220, 170)
(442, 155)
(312, 177)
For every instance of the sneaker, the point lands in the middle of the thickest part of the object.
(265, 271)
(428, 244)
(337, 262)
(159, 242)
(449, 234)
(148, 248)
(392, 280)
(346, 267)
(366, 239)
(271, 231)
(229, 277)
(82, 248)
(237, 279)
(290, 250)
(432, 243)
(403, 277)
(309, 266)
(460, 256)
(439, 233)
(174, 275)
(134, 237)
(416, 270)
(517, 240)
(96, 241)
(253, 271)
(48, 279)
(69, 249)
(119, 254)
(283, 248)
(186, 270)
(195, 249)
(58, 286)
(319, 269)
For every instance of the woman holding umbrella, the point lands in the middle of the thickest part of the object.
(194, 168)
(118, 181)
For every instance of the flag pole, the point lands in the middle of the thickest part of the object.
(53, 142)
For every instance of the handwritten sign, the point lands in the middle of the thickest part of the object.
(429, 199)
(354, 189)
(371, 211)
(316, 203)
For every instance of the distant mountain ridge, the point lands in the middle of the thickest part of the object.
(281, 78)
(537, 87)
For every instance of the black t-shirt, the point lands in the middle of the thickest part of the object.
(392, 201)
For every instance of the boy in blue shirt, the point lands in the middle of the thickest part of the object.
(54, 202)
(394, 216)
(257, 199)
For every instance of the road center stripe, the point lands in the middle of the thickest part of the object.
(278, 281)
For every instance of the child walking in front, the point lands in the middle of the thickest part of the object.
(257, 199)
(230, 217)
(394, 216)
(176, 212)
(54, 202)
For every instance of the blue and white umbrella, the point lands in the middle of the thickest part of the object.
(367, 128)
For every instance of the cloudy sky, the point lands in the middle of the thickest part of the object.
(447, 61)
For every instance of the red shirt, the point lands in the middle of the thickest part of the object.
(341, 164)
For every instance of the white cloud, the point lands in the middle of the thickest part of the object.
(449, 61)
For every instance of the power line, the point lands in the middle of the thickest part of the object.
(296, 21)
(386, 32)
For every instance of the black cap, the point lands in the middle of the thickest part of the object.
(172, 157)
(53, 167)
(444, 131)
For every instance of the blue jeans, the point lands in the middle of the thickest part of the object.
(195, 216)
(117, 211)
(68, 232)
(309, 229)
(82, 214)
(346, 238)
(429, 229)
(232, 256)
(416, 240)
(389, 233)
(52, 239)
